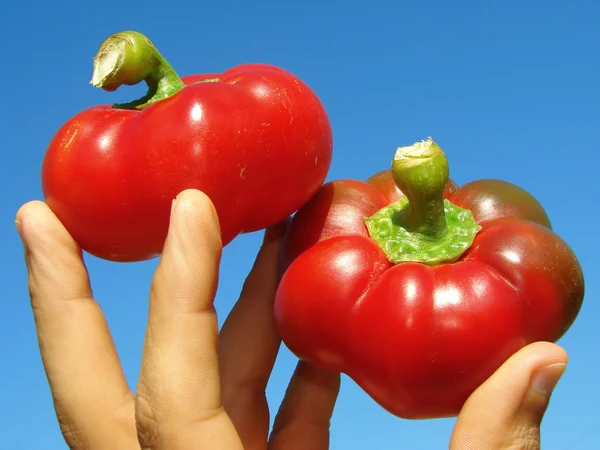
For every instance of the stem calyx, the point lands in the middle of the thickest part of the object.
(422, 226)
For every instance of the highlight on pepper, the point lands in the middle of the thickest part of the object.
(419, 289)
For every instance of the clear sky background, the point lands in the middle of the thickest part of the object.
(508, 88)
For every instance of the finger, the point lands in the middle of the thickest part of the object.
(249, 344)
(507, 410)
(92, 400)
(305, 414)
(178, 398)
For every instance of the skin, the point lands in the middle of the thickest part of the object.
(199, 389)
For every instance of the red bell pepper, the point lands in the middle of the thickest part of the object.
(418, 289)
(255, 139)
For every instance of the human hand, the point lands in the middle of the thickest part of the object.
(202, 389)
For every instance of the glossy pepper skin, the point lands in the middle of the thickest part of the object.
(111, 172)
(420, 338)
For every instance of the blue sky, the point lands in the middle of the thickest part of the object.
(508, 88)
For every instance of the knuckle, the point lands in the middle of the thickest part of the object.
(163, 427)
(146, 424)
(234, 384)
(71, 434)
(525, 437)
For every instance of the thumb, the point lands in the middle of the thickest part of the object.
(506, 411)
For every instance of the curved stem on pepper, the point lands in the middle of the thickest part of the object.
(129, 58)
(421, 173)
(422, 226)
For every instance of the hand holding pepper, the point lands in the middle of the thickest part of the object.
(200, 390)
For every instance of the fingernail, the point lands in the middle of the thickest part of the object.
(18, 226)
(173, 207)
(546, 379)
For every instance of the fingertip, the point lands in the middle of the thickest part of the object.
(517, 372)
(196, 196)
(542, 352)
(34, 210)
(197, 211)
(54, 262)
(198, 200)
(36, 224)
(276, 232)
(519, 392)
(27, 208)
(193, 246)
(533, 357)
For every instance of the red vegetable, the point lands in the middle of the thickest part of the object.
(256, 139)
(418, 298)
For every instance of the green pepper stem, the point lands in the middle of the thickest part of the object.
(421, 172)
(128, 58)
(422, 226)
